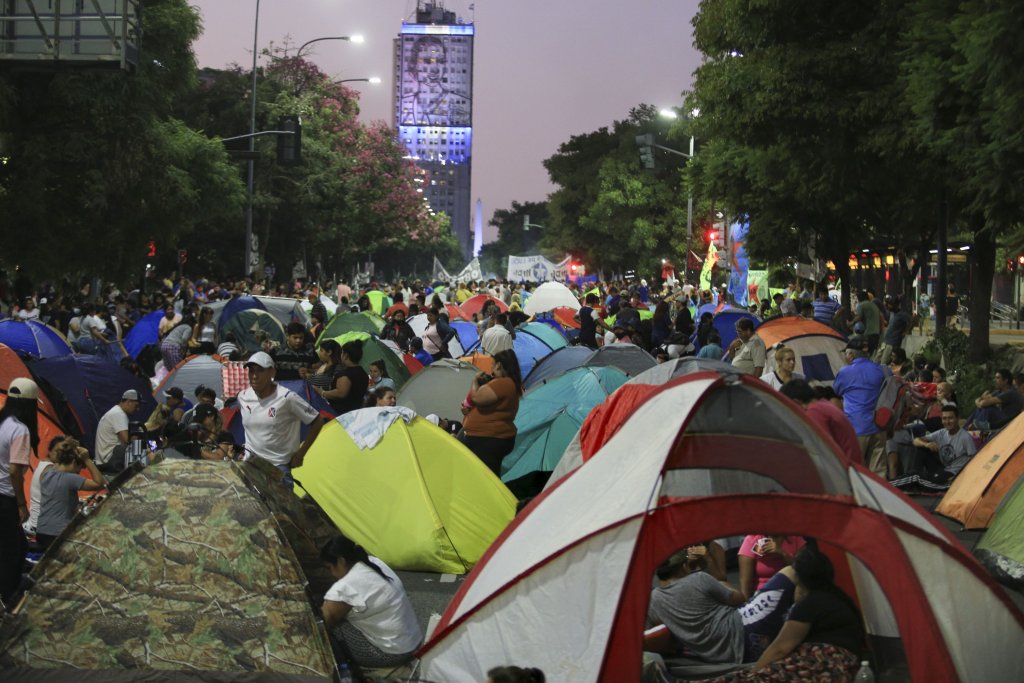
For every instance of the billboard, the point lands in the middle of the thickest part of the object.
(435, 79)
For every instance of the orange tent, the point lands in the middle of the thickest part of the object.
(778, 330)
(818, 348)
(12, 367)
(48, 428)
(976, 492)
(482, 361)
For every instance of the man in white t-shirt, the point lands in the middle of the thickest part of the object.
(272, 417)
(112, 433)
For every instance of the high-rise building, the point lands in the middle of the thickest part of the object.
(433, 109)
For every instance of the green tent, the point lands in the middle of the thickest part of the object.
(379, 301)
(250, 327)
(375, 349)
(185, 572)
(1001, 549)
(364, 321)
(549, 416)
(419, 499)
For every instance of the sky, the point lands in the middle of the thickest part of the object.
(544, 70)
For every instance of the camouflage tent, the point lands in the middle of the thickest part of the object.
(192, 569)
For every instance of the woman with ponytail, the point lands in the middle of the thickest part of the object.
(367, 609)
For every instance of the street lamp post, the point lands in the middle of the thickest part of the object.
(247, 263)
(373, 80)
(252, 128)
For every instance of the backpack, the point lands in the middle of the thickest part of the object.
(898, 401)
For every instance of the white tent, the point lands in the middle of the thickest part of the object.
(549, 296)
(566, 586)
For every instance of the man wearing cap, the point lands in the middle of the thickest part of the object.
(18, 436)
(859, 384)
(177, 404)
(272, 417)
(112, 433)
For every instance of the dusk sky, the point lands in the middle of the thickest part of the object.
(544, 69)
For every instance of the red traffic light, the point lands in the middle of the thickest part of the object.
(150, 249)
(1020, 259)
(573, 267)
(712, 235)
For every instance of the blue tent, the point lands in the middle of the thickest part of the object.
(549, 416)
(725, 323)
(467, 333)
(143, 333)
(556, 363)
(90, 386)
(528, 350)
(33, 338)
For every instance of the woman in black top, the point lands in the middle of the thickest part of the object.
(349, 380)
(823, 634)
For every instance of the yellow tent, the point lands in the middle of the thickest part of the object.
(419, 499)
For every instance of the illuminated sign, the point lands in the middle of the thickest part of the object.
(438, 29)
(437, 143)
(434, 79)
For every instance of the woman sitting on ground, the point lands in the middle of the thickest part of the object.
(59, 486)
(823, 637)
(489, 429)
(367, 608)
(785, 364)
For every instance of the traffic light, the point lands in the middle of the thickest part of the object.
(150, 249)
(645, 142)
(573, 267)
(1020, 261)
(711, 236)
(182, 256)
(289, 145)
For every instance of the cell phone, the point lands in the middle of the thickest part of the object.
(152, 445)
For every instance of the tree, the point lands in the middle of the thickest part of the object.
(608, 211)
(513, 238)
(964, 90)
(96, 166)
(802, 123)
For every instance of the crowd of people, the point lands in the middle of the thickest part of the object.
(785, 614)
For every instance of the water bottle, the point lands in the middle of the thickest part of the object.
(346, 674)
(864, 674)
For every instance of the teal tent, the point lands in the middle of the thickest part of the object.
(1001, 549)
(549, 416)
(546, 333)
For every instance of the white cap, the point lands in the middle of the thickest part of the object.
(260, 358)
(130, 395)
(23, 387)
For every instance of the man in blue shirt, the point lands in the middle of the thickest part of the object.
(859, 384)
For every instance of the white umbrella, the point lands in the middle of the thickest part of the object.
(549, 296)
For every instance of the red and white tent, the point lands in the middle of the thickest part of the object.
(566, 587)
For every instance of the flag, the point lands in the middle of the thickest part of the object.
(439, 274)
(709, 263)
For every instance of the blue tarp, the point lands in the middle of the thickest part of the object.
(90, 386)
(143, 333)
